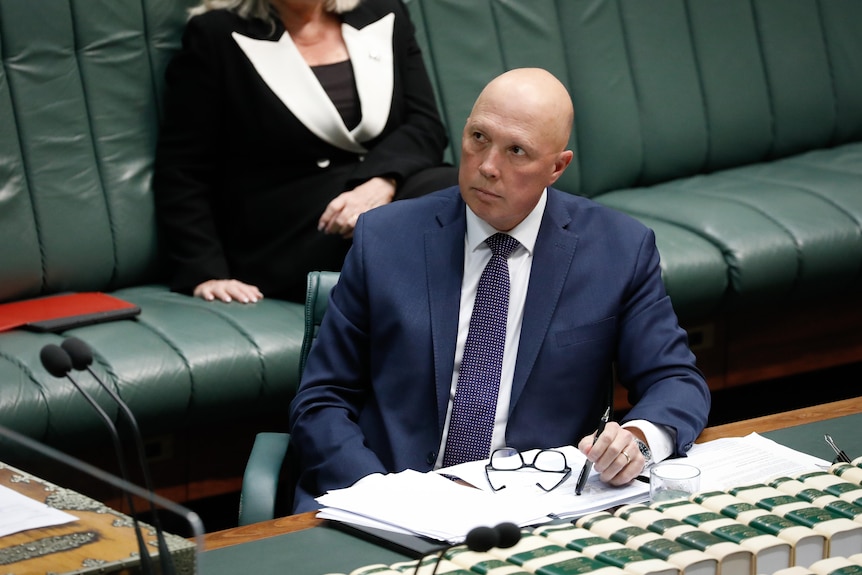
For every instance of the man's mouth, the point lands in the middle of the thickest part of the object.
(486, 193)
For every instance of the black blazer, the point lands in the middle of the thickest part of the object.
(241, 180)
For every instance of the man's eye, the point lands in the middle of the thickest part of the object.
(518, 150)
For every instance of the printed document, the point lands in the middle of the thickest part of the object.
(20, 513)
(735, 461)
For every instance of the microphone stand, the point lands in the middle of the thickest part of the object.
(82, 357)
(58, 364)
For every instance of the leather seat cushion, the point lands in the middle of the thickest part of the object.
(183, 360)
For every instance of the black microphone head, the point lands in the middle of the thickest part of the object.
(79, 352)
(508, 535)
(481, 538)
(55, 360)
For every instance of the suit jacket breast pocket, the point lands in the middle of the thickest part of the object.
(604, 329)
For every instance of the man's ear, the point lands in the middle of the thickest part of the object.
(562, 162)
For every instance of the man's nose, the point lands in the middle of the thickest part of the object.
(488, 166)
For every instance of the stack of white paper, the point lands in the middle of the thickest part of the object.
(426, 504)
(431, 505)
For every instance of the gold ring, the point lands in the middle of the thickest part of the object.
(628, 459)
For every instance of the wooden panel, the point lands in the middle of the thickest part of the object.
(748, 347)
(799, 339)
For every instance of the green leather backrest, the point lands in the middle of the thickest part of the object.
(80, 92)
(318, 286)
(662, 88)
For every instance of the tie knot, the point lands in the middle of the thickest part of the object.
(502, 245)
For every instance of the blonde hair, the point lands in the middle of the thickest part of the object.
(262, 9)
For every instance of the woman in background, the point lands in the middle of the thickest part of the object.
(284, 121)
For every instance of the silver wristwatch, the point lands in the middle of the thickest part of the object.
(645, 451)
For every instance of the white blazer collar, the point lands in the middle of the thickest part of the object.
(286, 73)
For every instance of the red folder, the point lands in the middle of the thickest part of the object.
(60, 312)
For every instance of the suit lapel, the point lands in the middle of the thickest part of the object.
(371, 55)
(552, 260)
(283, 69)
(444, 260)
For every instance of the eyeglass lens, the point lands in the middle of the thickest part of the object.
(510, 459)
(551, 461)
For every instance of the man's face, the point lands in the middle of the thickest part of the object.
(509, 154)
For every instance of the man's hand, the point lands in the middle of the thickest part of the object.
(228, 291)
(341, 214)
(615, 455)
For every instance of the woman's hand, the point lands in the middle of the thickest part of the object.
(228, 291)
(341, 214)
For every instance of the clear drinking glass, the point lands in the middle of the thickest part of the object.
(672, 480)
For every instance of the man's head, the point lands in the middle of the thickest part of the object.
(514, 145)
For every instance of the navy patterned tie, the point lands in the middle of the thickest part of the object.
(475, 403)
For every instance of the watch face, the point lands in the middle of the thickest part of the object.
(645, 451)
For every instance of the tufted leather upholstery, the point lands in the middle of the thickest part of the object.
(80, 93)
(731, 127)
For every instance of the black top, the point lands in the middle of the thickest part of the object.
(337, 81)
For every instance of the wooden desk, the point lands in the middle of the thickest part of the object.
(783, 420)
(101, 540)
(292, 523)
(255, 531)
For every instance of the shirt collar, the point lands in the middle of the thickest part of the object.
(478, 230)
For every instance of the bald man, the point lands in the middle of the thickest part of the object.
(380, 390)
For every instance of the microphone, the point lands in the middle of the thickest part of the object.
(81, 357)
(509, 534)
(482, 539)
(192, 518)
(58, 363)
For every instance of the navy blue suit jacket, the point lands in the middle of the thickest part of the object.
(374, 393)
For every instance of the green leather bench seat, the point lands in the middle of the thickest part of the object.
(182, 363)
(694, 269)
(728, 126)
(788, 229)
(80, 90)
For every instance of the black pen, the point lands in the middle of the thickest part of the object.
(839, 452)
(588, 466)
